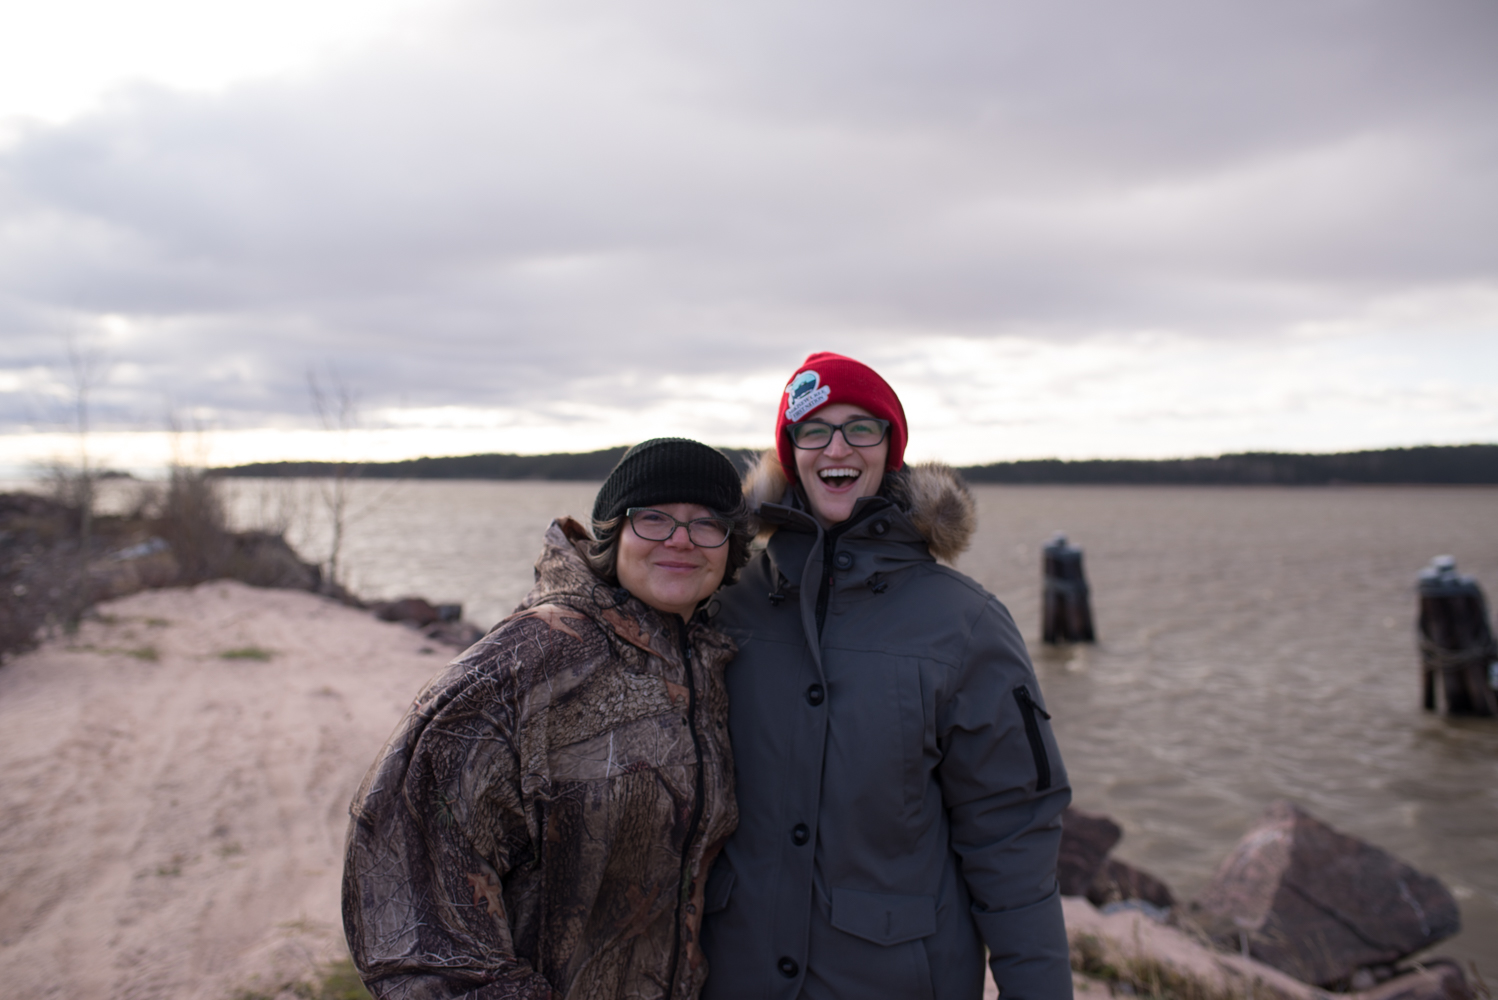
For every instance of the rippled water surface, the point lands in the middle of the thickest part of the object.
(1255, 643)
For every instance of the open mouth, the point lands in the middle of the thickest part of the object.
(837, 478)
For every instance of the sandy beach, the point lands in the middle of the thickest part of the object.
(173, 818)
(174, 799)
(176, 786)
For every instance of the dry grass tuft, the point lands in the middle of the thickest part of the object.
(255, 653)
(334, 981)
(1478, 985)
(1141, 976)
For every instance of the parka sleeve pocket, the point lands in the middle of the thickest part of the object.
(1028, 710)
(883, 917)
(719, 888)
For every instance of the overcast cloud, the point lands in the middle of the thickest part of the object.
(1060, 228)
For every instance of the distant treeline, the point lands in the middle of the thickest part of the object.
(592, 466)
(1470, 464)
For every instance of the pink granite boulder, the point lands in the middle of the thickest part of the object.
(1319, 904)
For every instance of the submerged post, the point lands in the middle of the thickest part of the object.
(1458, 659)
(1066, 609)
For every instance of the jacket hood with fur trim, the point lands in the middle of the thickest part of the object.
(932, 494)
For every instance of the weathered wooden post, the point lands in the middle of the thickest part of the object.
(1458, 659)
(1066, 610)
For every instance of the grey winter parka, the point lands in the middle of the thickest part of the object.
(899, 787)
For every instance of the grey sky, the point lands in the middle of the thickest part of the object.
(520, 206)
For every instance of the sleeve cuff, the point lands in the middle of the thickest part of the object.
(1028, 950)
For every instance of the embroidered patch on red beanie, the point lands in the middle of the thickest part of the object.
(825, 378)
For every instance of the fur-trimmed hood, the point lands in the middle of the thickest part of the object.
(932, 494)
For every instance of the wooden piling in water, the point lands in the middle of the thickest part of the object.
(1066, 608)
(1458, 658)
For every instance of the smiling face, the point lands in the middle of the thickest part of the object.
(837, 475)
(675, 575)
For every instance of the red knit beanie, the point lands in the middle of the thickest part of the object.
(825, 378)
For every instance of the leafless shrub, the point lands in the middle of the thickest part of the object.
(39, 569)
(147, 502)
(192, 523)
(337, 408)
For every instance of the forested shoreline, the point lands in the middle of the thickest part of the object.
(1472, 464)
(1455, 465)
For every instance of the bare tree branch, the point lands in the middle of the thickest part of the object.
(337, 407)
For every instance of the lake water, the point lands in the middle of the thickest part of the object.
(1254, 643)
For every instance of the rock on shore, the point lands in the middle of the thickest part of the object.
(1306, 908)
(1144, 954)
(1322, 904)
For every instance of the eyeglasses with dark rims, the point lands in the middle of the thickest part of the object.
(657, 526)
(860, 432)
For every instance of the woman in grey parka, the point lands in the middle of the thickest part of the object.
(899, 787)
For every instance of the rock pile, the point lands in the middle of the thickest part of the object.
(439, 622)
(1086, 839)
(1085, 869)
(1295, 899)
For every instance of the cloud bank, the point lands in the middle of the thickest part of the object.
(1158, 228)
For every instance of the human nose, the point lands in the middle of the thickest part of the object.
(684, 533)
(838, 445)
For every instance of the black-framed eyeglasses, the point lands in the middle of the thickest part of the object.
(657, 526)
(860, 432)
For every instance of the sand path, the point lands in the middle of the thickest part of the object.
(171, 821)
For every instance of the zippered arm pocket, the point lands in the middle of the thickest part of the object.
(1028, 710)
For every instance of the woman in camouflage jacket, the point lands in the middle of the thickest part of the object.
(542, 821)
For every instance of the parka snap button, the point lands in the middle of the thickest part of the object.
(800, 835)
(844, 560)
(815, 695)
(788, 967)
(880, 527)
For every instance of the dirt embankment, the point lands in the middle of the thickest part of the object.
(175, 787)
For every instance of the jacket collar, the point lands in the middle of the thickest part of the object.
(929, 497)
(563, 577)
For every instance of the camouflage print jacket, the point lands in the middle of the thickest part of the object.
(542, 821)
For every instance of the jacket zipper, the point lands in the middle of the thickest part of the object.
(824, 593)
(829, 549)
(686, 850)
(1028, 709)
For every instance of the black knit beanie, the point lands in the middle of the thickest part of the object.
(668, 470)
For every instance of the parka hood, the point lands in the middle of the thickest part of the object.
(932, 494)
(561, 571)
